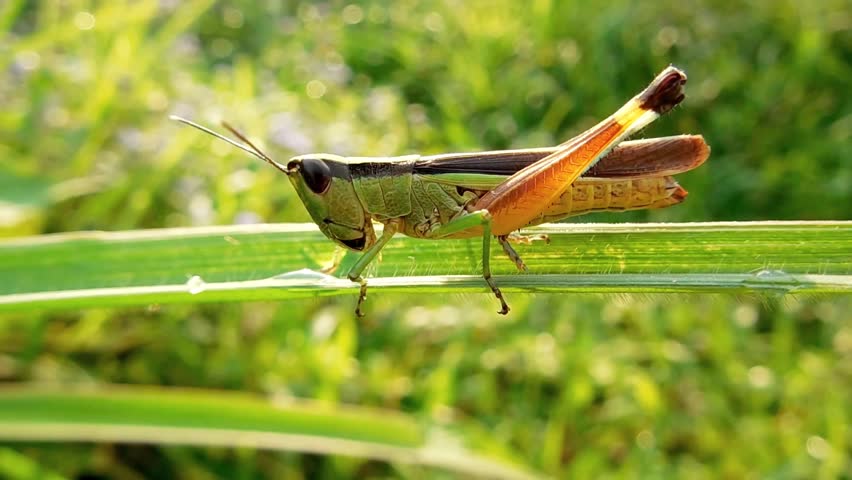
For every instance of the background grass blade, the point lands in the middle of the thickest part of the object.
(14, 465)
(217, 418)
(269, 262)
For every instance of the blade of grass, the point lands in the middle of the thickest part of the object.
(16, 466)
(269, 262)
(132, 414)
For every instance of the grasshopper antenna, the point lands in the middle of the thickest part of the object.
(251, 148)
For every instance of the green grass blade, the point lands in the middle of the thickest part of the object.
(17, 466)
(128, 414)
(268, 262)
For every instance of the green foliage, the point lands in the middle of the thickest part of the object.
(690, 386)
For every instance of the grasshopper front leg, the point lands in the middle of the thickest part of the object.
(390, 229)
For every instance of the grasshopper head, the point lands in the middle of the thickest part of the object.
(324, 185)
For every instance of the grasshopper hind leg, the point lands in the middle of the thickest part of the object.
(511, 253)
(518, 239)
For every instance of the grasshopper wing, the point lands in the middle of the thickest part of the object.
(639, 158)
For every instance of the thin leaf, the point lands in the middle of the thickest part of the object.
(268, 262)
(129, 414)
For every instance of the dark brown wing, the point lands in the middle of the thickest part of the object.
(653, 156)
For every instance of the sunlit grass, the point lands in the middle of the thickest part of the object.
(275, 262)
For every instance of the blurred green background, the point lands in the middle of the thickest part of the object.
(624, 387)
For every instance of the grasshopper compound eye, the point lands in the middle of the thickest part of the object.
(315, 173)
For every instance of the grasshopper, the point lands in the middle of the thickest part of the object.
(496, 193)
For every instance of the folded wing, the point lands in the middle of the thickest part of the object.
(638, 158)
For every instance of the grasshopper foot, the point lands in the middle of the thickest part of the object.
(504, 307)
(362, 295)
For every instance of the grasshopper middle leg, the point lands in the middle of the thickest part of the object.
(480, 219)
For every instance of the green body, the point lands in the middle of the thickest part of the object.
(421, 194)
(363, 190)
